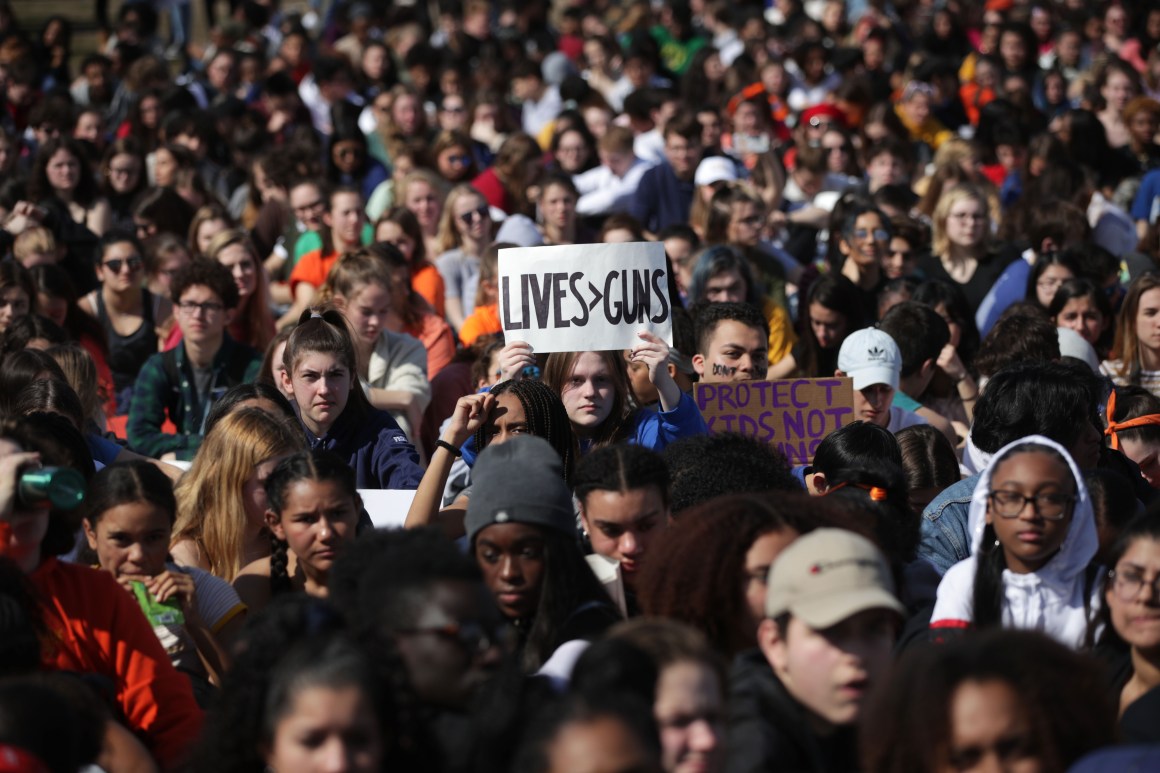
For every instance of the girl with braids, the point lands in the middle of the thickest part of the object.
(595, 391)
(509, 409)
(392, 366)
(1034, 538)
(623, 492)
(221, 507)
(130, 510)
(321, 373)
(312, 515)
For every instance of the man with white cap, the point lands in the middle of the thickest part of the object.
(871, 358)
(831, 618)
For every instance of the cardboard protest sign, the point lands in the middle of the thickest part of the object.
(794, 414)
(584, 297)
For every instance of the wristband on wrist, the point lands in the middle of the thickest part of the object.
(449, 448)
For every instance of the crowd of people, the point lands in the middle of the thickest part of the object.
(249, 280)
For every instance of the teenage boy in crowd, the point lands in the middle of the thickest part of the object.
(609, 188)
(871, 358)
(831, 617)
(732, 343)
(921, 335)
(182, 384)
(665, 193)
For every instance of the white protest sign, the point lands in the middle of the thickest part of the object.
(584, 297)
(387, 507)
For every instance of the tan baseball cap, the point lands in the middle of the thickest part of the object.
(827, 576)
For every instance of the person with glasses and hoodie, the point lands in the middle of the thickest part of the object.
(1033, 537)
(182, 384)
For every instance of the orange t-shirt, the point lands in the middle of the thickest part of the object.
(437, 338)
(97, 627)
(484, 320)
(428, 282)
(312, 269)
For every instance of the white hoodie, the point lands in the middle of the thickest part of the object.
(1050, 600)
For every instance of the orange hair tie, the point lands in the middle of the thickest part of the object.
(877, 493)
(1114, 427)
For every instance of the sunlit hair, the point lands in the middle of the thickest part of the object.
(558, 373)
(1126, 352)
(352, 272)
(940, 244)
(211, 508)
(203, 215)
(449, 237)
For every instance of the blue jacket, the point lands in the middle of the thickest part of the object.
(945, 539)
(656, 429)
(375, 447)
(1009, 288)
(661, 199)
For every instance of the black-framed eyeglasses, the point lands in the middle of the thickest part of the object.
(1127, 585)
(469, 217)
(475, 638)
(116, 264)
(208, 308)
(1052, 507)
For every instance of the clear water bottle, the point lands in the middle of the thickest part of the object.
(62, 487)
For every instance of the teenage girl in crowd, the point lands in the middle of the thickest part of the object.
(1131, 594)
(1033, 538)
(96, 626)
(1081, 306)
(312, 515)
(321, 372)
(1135, 355)
(833, 311)
(525, 544)
(129, 515)
(221, 507)
(129, 314)
(595, 390)
(400, 228)
(464, 232)
(392, 366)
(410, 312)
(17, 294)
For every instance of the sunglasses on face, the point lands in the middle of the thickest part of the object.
(116, 264)
(469, 217)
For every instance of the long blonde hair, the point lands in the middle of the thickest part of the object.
(940, 244)
(211, 509)
(449, 237)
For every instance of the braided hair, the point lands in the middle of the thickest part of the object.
(546, 416)
(621, 467)
(317, 465)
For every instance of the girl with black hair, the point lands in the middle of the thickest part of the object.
(1132, 607)
(322, 374)
(129, 514)
(313, 512)
(953, 391)
(509, 409)
(1081, 306)
(833, 311)
(1051, 270)
(1033, 537)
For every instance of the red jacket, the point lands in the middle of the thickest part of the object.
(98, 628)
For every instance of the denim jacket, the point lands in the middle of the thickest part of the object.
(945, 539)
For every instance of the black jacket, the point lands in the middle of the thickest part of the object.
(769, 730)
